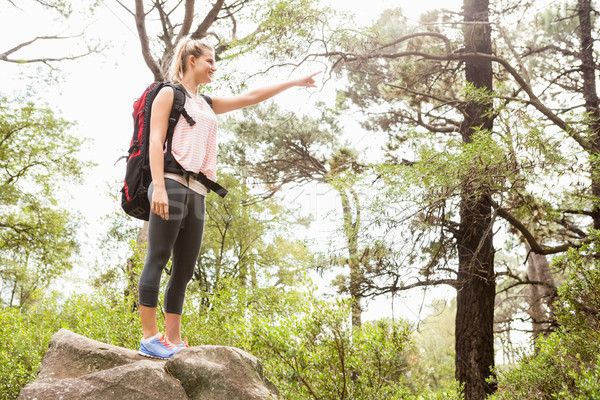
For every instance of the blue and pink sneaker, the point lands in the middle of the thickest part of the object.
(157, 346)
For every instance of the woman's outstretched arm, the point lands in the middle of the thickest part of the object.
(226, 104)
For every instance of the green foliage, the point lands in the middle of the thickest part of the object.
(105, 317)
(307, 345)
(225, 315)
(320, 357)
(452, 393)
(435, 341)
(24, 334)
(566, 363)
(490, 163)
(247, 239)
(285, 29)
(23, 341)
(281, 147)
(37, 158)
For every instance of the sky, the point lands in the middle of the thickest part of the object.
(97, 92)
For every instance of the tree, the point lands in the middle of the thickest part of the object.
(492, 176)
(487, 174)
(575, 80)
(38, 160)
(248, 242)
(281, 149)
(476, 184)
(476, 287)
(275, 23)
(473, 230)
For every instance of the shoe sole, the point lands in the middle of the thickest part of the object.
(153, 356)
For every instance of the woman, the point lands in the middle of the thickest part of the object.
(178, 204)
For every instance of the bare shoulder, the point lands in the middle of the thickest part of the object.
(164, 99)
(165, 93)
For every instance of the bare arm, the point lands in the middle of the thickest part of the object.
(159, 122)
(226, 104)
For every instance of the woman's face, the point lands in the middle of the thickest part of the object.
(203, 67)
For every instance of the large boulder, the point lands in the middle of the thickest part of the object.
(222, 372)
(75, 367)
(139, 380)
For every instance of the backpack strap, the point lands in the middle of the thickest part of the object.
(210, 185)
(177, 110)
(207, 99)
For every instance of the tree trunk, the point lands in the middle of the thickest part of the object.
(476, 282)
(540, 296)
(475, 299)
(351, 226)
(590, 95)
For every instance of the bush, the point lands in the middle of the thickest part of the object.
(317, 355)
(25, 334)
(307, 346)
(566, 363)
(24, 338)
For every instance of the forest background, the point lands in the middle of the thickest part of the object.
(456, 149)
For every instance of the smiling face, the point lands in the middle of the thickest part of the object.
(203, 67)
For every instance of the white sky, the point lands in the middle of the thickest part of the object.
(98, 92)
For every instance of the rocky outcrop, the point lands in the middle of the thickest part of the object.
(75, 367)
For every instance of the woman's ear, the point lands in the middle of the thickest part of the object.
(191, 60)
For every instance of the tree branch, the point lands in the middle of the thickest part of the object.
(464, 56)
(210, 18)
(446, 41)
(188, 19)
(395, 288)
(535, 246)
(140, 23)
(5, 56)
(553, 47)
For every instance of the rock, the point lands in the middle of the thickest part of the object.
(143, 379)
(75, 367)
(71, 355)
(224, 372)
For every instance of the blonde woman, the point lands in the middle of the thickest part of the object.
(178, 202)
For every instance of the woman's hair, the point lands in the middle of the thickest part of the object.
(186, 47)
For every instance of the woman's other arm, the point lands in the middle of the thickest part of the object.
(159, 123)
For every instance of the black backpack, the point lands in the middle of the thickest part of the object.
(134, 198)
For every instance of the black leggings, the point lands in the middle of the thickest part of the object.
(181, 235)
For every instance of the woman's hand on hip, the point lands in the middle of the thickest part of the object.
(160, 202)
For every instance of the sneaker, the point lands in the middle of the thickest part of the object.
(183, 345)
(157, 347)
